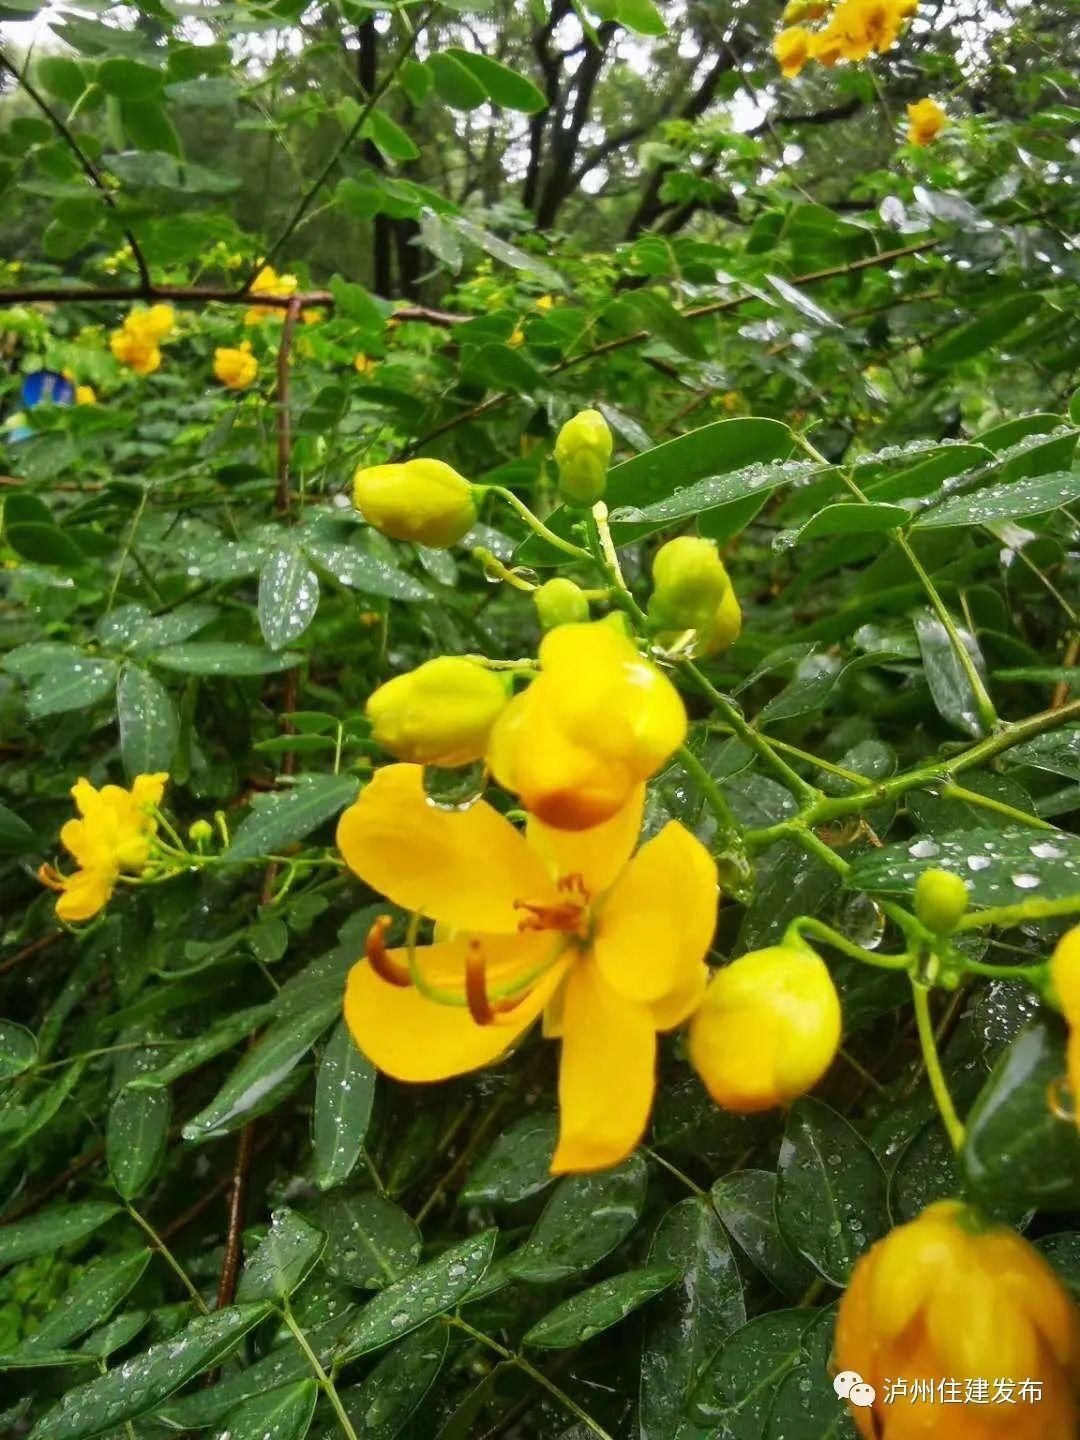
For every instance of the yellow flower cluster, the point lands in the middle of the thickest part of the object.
(269, 282)
(113, 836)
(955, 1297)
(236, 368)
(854, 30)
(137, 344)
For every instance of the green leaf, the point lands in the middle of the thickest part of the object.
(344, 1094)
(149, 727)
(359, 569)
(354, 301)
(223, 657)
(389, 1394)
(517, 1166)
(282, 1260)
(282, 1414)
(692, 1319)
(148, 127)
(89, 1301)
(135, 1138)
(388, 136)
(830, 1191)
(46, 1233)
(999, 867)
(371, 1241)
(74, 686)
(418, 1297)
(143, 1383)
(600, 1306)
(288, 596)
(16, 836)
(846, 518)
(738, 1387)
(60, 77)
(502, 85)
(950, 687)
(745, 1200)
(1018, 1150)
(641, 16)
(219, 1037)
(212, 90)
(283, 817)
(1058, 752)
(18, 1049)
(455, 85)
(583, 1221)
(1010, 501)
(127, 79)
(803, 1407)
(967, 341)
(275, 1056)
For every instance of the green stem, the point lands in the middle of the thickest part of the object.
(848, 947)
(938, 1084)
(512, 1356)
(537, 525)
(1035, 975)
(326, 1384)
(999, 807)
(674, 1170)
(167, 1255)
(1020, 912)
(729, 830)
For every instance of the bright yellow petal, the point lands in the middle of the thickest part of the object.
(606, 1074)
(676, 1007)
(598, 854)
(464, 868)
(85, 893)
(410, 1037)
(85, 795)
(148, 789)
(658, 920)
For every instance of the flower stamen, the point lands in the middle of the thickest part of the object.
(483, 1010)
(569, 917)
(380, 959)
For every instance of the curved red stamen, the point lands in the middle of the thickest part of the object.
(380, 959)
(482, 1008)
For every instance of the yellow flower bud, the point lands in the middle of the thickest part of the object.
(940, 900)
(767, 1029)
(926, 119)
(582, 452)
(235, 368)
(692, 592)
(1065, 972)
(560, 602)
(952, 1296)
(200, 832)
(439, 714)
(85, 395)
(421, 500)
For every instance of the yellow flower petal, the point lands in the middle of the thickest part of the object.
(84, 894)
(597, 854)
(464, 868)
(606, 1074)
(416, 1039)
(657, 921)
(149, 789)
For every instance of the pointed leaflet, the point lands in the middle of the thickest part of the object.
(135, 1136)
(344, 1092)
(283, 1414)
(92, 1298)
(148, 723)
(282, 1260)
(288, 596)
(62, 1225)
(585, 1218)
(600, 1306)
(372, 1242)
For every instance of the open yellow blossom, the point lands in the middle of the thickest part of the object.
(955, 1296)
(235, 368)
(792, 50)
(926, 119)
(827, 46)
(597, 721)
(85, 395)
(113, 836)
(863, 27)
(269, 282)
(609, 949)
(137, 343)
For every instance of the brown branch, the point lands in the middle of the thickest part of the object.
(284, 437)
(87, 166)
(28, 951)
(31, 1203)
(230, 1266)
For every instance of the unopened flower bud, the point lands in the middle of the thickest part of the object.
(940, 900)
(439, 714)
(582, 453)
(692, 592)
(200, 833)
(767, 1029)
(560, 602)
(425, 501)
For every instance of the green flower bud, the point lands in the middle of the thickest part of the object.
(692, 592)
(560, 602)
(582, 453)
(200, 832)
(940, 900)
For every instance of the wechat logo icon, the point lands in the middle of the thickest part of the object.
(850, 1386)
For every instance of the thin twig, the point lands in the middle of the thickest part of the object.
(284, 437)
(29, 951)
(230, 1265)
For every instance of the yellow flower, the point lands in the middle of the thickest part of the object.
(597, 721)
(767, 1029)
(85, 395)
(792, 50)
(693, 602)
(364, 365)
(422, 500)
(440, 713)
(827, 46)
(113, 836)
(543, 303)
(517, 337)
(926, 119)
(582, 453)
(954, 1296)
(311, 316)
(269, 282)
(798, 10)
(235, 368)
(608, 949)
(862, 26)
(144, 357)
